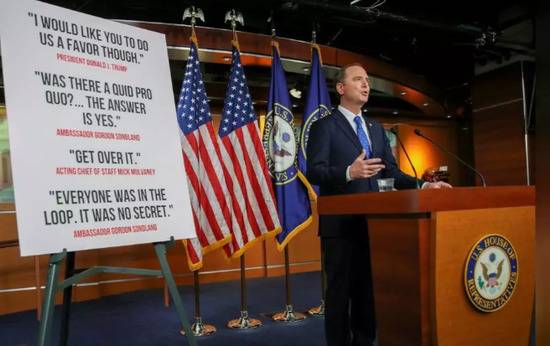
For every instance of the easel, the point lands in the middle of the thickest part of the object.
(53, 286)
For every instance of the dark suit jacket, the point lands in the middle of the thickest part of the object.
(333, 146)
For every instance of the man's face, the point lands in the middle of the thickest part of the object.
(355, 88)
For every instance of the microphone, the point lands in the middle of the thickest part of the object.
(420, 134)
(394, 131)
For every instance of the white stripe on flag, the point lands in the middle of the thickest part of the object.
(253, 130)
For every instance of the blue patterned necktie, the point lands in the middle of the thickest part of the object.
(363, 136)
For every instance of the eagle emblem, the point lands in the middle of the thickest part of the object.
(491, 278)
(491, 273)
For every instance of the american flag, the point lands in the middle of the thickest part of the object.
(247, 175)
(202, 158)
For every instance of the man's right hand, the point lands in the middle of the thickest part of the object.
(361, 168)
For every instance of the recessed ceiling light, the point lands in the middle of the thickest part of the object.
(395, 112)
(403, 93)
(449, 116)
(296, 93)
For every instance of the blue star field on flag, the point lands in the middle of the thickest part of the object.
(238, 108)
(193, 109)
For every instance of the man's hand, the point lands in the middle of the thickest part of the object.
(361, 168)
(437, 185)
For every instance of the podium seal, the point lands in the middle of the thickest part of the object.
(491, 273)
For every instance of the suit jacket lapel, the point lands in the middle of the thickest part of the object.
(346, 128)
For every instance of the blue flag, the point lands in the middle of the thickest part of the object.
(279, 140)
(317, 106)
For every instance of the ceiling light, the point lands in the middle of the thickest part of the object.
(403, 93)
(449, 116)
(296, 93)
(395, 112)
(425, 104)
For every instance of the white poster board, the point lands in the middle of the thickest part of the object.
(94, 138)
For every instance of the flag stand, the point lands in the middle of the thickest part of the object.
(244, 322)
(198, 327)
(289, 315)
(53, 286)
(319, 311)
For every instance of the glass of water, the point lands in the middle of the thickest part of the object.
(385, 184)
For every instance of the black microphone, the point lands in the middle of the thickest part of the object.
(394, 131)
(420, 134)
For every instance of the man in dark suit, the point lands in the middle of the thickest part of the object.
(347, 153)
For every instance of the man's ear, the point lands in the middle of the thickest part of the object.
(340, 88)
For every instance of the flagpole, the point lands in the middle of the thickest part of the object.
(244, 322)
(319, 311)
(279, 106)
(166, 295)
(198, 327)
(288, 315)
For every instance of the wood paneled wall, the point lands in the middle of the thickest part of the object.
(499, 145)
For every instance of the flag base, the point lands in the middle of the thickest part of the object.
(318, 311)
(289, 315)
(244, 322)
(199, 328)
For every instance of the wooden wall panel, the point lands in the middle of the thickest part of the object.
(499, 145)
(497, 118)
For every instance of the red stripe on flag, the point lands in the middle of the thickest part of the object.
(253, 180)
(211, 177)
(238, 214)
(194, 183)
(252, 133)
(258, 146)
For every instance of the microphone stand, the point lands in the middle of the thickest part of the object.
(420, 134)
(394, 131)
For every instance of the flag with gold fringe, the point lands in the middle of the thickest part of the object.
(280, 145)
(202, 159)
(254, 214)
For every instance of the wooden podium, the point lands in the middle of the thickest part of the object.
(420, 241)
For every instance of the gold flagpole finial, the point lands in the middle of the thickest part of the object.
(194, 13)
(314, 45)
